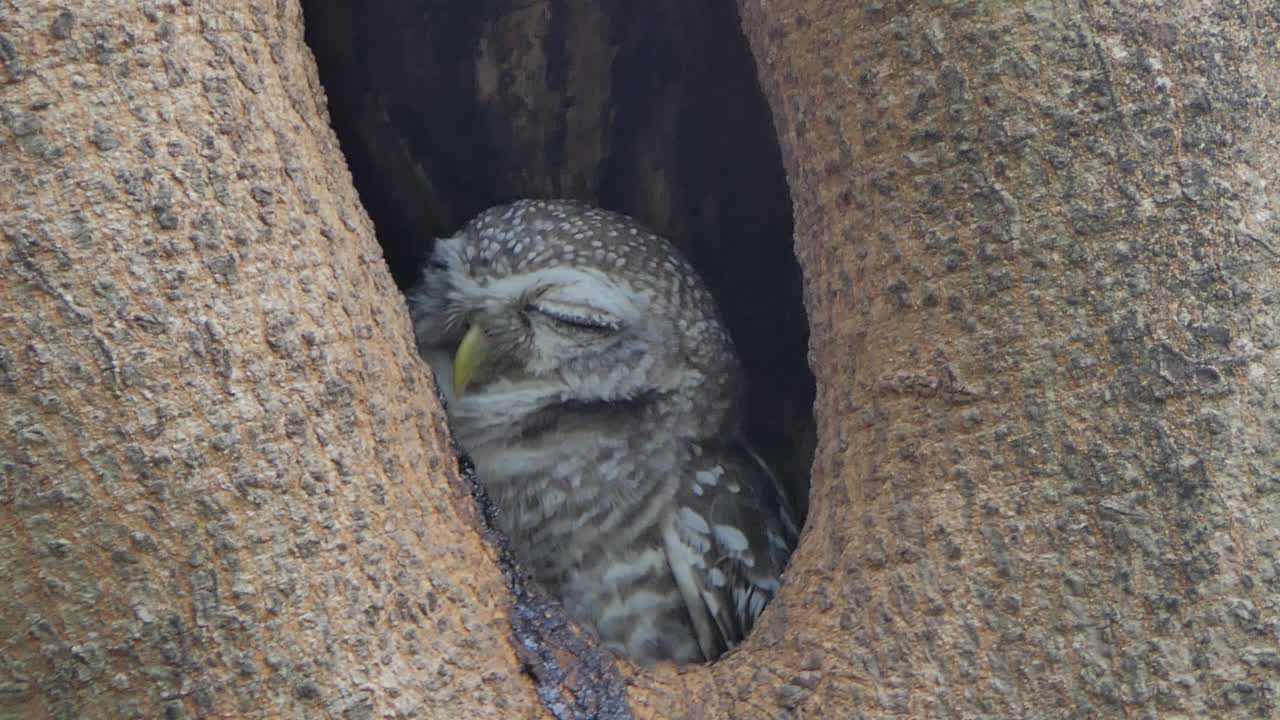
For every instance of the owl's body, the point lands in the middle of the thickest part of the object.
(598, 396)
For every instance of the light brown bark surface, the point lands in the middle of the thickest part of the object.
(1043, 277)
(227, 489)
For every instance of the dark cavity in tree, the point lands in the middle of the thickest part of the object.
(651, 109)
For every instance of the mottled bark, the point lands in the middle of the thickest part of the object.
(1042, 254)
(225, 484)
(1042, 260)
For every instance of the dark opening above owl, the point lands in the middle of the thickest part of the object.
(588, 375)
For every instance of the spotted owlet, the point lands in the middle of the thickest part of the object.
(588, 375)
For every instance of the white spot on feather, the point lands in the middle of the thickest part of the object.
(697, 523)
(709, 476)
(731, 538)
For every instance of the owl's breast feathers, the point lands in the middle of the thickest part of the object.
(677, 570)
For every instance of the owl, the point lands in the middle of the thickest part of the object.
(588, 375)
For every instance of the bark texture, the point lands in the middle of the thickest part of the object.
(225, 485)
(1043, 278)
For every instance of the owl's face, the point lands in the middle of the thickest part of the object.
(541, 305)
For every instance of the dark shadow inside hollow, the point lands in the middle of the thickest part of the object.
(651, 109)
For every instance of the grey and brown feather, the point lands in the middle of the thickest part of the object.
(605, 425)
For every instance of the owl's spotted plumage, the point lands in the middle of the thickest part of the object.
(589, 376)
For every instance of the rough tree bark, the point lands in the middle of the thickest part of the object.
(1042, 267)
(227, 488)
(1042, 257)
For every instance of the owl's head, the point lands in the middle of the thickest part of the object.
(540, 306)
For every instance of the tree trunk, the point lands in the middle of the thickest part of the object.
(1042, 271)
(227, 486)
(1042, 256)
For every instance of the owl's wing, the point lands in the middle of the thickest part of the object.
(727, 542)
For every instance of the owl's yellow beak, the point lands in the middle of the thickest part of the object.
(471, 358)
